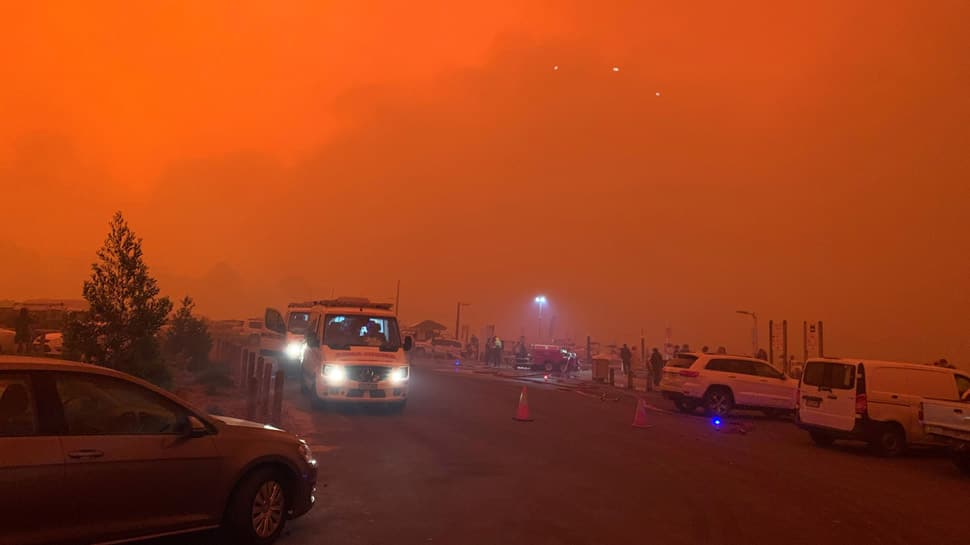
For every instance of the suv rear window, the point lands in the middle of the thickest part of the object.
(682, 362)
(829, 375)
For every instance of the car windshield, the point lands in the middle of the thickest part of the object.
(343, 331)
(297, 322)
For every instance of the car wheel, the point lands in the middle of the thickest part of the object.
(821, 438)
(685, 405)
(718, 401)
(257, 510)
(889, 441)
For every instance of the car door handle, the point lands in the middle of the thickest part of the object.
(832, 396)
(85, 454)
(894, 396)
(732, 376)
(958, 411)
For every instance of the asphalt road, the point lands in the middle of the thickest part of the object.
(455, 468)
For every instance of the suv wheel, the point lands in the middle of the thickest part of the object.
(257, 510)
(889, 441)
(718, 401)
(821, 438)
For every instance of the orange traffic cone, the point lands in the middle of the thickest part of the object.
(640, 416)
(522, 413)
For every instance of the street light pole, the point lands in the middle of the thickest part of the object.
(541, 299)
(458, 318)
(754, 331)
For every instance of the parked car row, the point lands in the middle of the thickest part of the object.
(97, 456)
(877, 402)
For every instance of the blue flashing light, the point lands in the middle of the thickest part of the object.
(457, 362)
(716, 421)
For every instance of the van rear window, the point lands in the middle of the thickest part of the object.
(839, 376)
(682, 362)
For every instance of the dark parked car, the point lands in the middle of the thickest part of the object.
(91, 455)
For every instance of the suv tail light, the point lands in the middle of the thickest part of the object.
(691, 374)
(861, 404)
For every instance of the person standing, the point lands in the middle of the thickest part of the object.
(625, 357)
(489, 348)
(656, 366)
(22, 332)
(498, 351)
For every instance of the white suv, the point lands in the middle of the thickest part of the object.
(720, 382)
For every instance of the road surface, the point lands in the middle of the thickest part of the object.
(455, 468)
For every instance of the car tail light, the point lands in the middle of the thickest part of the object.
(691, 374)
(861, 404)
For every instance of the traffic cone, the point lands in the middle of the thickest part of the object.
(522, 413)
(640, 416)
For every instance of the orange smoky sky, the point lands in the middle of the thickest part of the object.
(804, 161)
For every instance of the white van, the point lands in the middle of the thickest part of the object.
(872, 401)
(354, 354)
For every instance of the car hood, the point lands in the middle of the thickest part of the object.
(253, 430)
(238, 422)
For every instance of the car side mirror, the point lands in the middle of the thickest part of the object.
(408, 343)
(966, 396)
(195, 428)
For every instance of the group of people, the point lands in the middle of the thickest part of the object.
(493, 351)
(655, 363)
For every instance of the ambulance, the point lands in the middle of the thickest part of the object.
(354, 354)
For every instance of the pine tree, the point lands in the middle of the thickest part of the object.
(188, 340)
(126, 312)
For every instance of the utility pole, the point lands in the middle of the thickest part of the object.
(397, 299)
(754, 331)
(458, 318)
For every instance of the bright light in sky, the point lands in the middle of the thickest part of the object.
(555, 67)
(616, 68)
(658, 93)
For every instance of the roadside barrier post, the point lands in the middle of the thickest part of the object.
(243, 369)
(264, 393)
(259, 377)
(612, 377)
(251, 392)
(278, 398)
